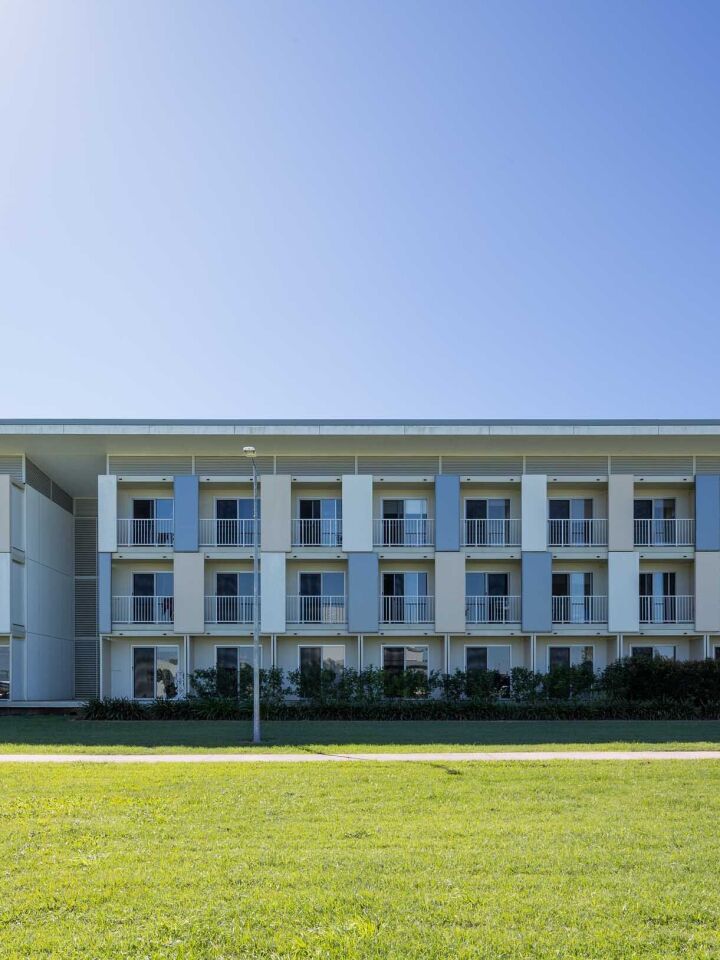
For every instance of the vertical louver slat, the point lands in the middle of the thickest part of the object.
(87, 646)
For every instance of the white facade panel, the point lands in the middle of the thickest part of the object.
(5, 624)
(107, 513)
(272, 596)
(707, 591)
(534, 512)
(5, 512)
(623, 591)
(357, 508)
(450, 592)
(621, 499)
(275, 513)
(189, 590)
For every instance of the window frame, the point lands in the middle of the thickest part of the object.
(154, 647)
(569, 646)
(405, 646)
(488, 646)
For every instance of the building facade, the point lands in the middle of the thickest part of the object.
(126, 548)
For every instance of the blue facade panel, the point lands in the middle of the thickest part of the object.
(187, 503)
(447, 512)
(707, 512)
(537, 592)
(363, 592)
(104, 589)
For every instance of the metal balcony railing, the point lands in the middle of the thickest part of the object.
(317, 533)
(227, 533)
(579, 610)
(491, 533)
(142, 609)
(322, 609)
(407, 609)
(404, 533)
(483, 609)
(145, 533)
(229, 609)
(668, 609)
(577, 533)
(665, 533)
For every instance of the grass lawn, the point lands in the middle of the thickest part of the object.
(429, 860)
(63, 734)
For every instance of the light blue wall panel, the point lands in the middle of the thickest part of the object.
(104, 592)
(707, 512)
(536, 592)
(363, 592)
(447, 512)
(186, 514)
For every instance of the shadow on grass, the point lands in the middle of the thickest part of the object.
(16, 732)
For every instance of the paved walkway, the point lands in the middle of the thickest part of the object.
(439, 757)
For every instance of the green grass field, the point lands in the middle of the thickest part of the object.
(63, 734)
(429, 860)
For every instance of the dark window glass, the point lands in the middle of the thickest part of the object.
(144, 673)
(394, 659)
(476, 658)
(559, 657)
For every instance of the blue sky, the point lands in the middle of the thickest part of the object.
(350, 209)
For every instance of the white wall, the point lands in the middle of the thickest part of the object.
(272, 592)
(534, 512)
(107, 513)
(357, 502)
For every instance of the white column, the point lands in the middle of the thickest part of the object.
(621, 525)
(272, 592)
(107, 513)
(623, 592)
(275, 513)
(357, 510)
(450, 592)
(189, 592)
(534, 512)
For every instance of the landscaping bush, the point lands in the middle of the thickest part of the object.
(632, 689)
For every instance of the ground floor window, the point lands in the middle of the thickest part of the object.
(648, 651)
(717, 653)
(326, 657)
(5, 671)
(155, 672)
(570, 656)
(235, 670)
(495, 659)
(406, 670)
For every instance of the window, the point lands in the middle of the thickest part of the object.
(155, 672)
(655, 521)
(320, 522)
(495, 659)
(568, 521)
(235, 671)
(234, 597)
(406, 671)
(486, 521)
(322, 597)
(647, 652)
(405, 598)
(658, 603)
(405, 522)
(572, 593)
(717, 653)
(486, 597)
(153, 521)
(328, 657)
(152, 597)
(5, 671)
(234, 521)
(571, 656)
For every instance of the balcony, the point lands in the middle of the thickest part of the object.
(417, 532)
(577, 533)
(407, 609)
(142, 610)
(227, 533)
(145, 533)
(669, 609)
(491, 533)
(320, 609)
(228, 609)
(317, 533)
(665, 533)
(579, 610)
(485, 609)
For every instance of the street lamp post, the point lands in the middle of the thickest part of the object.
(250, 454)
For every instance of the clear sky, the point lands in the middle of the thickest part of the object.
(299, 208)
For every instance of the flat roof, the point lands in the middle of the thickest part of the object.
(396, 422)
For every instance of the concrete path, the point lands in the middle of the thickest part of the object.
(439, 757)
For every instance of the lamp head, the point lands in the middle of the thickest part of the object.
(249, 451)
